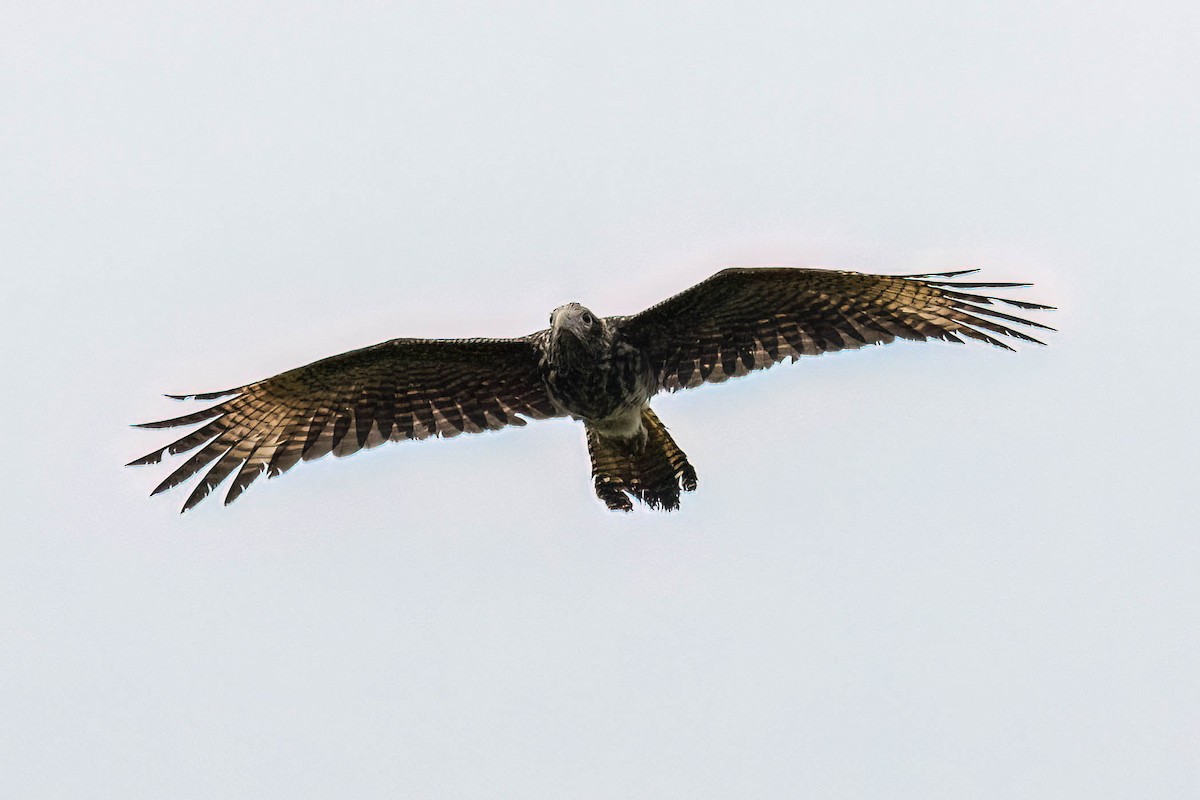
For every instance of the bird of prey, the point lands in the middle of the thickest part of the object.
(600, 370)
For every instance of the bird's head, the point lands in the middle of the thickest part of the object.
(576, 321)
(577, 336)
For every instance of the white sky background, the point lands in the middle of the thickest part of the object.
(917, 571)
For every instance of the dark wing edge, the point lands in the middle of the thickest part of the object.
(393, 391)
(746, 319)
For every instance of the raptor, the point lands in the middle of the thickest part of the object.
(603, 371)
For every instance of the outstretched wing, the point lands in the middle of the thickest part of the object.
(402, 389)
(746, 319)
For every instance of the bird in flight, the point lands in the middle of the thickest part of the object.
(602, 371)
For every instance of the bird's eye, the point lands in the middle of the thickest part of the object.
(587, 318)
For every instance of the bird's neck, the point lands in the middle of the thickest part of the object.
(570, 353)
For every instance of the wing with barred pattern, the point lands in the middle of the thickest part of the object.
(397, 390)
(741, 320)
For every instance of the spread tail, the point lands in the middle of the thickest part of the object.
(654, 473)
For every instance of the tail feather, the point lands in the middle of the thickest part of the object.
(654, 473)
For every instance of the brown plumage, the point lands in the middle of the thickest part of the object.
(600, 370)
(653, 472)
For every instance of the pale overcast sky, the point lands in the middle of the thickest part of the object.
(918, 571)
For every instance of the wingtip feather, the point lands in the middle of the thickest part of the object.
(950, 274)
(149, 458)
(206, 395)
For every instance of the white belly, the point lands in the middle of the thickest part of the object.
(625, 423)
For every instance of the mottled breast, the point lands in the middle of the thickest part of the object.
(618, 381)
